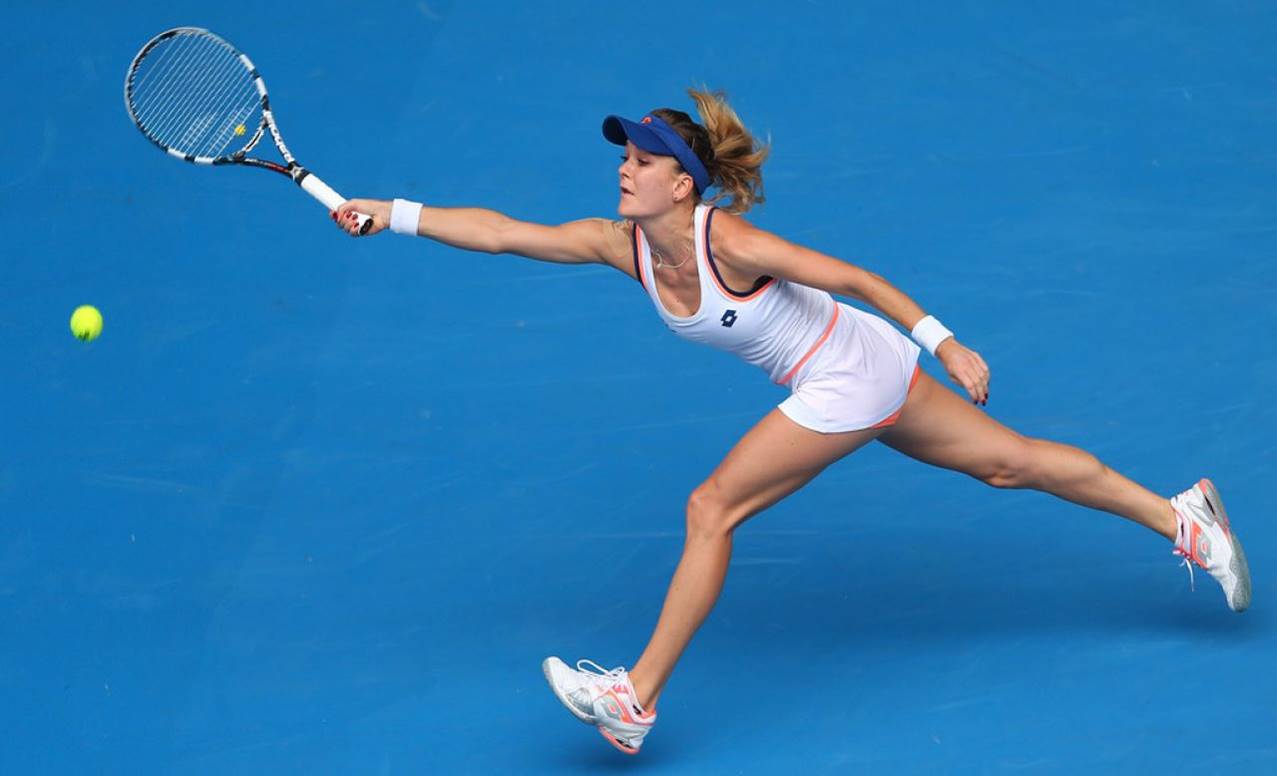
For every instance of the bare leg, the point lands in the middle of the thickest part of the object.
(941, 428)
(775, 458)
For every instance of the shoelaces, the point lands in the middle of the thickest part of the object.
(596, 674)
(1187, 561)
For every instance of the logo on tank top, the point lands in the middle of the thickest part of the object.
(729, 318)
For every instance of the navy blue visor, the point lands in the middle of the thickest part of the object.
(655, 136)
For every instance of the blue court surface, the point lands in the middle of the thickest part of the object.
(319, 505)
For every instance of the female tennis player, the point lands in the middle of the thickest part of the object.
(853, 377)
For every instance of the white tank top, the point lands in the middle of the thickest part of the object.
(777, 325)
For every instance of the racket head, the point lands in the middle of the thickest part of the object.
(196, 96)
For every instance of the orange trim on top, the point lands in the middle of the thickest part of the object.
(642, 262)
(829, 328)
(713, 267)
(735, 296)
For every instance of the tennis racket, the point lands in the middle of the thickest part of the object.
(201, 99)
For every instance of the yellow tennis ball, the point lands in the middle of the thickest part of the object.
(240, 129)
(86, 322)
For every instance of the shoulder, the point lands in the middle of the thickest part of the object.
(753, 251)
(733, 239)
(609, 239)
(618, 243)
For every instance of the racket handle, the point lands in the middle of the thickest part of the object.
(321, 191)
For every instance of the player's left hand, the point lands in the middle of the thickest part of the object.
(965, 368)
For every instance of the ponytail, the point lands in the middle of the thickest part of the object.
(731, 155)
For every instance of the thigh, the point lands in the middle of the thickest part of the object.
(939, 427)
(775, 458)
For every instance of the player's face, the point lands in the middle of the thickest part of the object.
(647, 182)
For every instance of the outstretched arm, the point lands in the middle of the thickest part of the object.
(590, 240)
(756, 251)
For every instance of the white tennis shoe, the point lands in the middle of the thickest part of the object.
(1205, 538)
(605, 699)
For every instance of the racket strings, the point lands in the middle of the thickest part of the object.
(193, 78)
(178, 109)
(167, 73)
(176, 86)
(167, 81)
(192, 84)
(216, 80)
(195, 95)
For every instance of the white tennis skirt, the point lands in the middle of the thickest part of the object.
(858, 378)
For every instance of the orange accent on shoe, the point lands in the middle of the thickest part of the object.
(1192, 545)
(626, 704)
(611, 739)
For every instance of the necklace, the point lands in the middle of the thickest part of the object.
(660, 259)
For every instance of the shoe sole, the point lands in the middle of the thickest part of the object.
(1238, 565)
(616, 742)
(567, 704)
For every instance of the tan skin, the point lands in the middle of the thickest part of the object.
(935, 426)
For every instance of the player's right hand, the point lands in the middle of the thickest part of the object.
(344, 216)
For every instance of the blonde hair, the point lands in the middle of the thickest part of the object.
(731, 155)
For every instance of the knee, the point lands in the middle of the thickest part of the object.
(1014, 467)
(708, 514)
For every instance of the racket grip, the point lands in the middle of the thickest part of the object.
(321, 191)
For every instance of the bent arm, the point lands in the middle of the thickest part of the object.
(760, 252)
(756, 251)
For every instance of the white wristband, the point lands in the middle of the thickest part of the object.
(404, 217)
(929, 333)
